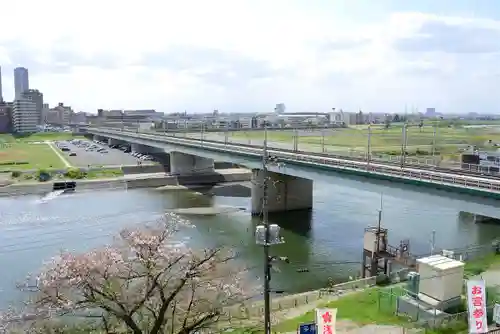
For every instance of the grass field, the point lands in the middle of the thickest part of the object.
(363, 307)
(41, 136)
(371, 306)
(446, 140)
(25, 156)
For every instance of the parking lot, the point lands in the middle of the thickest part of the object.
(79, 154)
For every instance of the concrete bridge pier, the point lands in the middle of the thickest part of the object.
(144, 149)
(112, 141)
(187, 164)
(285, 192)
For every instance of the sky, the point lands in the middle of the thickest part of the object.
(249, 55)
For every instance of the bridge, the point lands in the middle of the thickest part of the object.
(293, 180)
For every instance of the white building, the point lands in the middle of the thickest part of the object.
(280, 108)
(25, 116)
(245, 122)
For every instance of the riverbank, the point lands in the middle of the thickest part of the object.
(128, 181)
(362, 306)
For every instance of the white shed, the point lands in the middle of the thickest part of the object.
(441, 278)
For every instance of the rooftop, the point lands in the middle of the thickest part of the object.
(440, 262)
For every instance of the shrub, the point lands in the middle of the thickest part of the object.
(42, 175)
(16, 174)
(74, 174)
(382, 279)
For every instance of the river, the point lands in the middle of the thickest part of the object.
(32, 231)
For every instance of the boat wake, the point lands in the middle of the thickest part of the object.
(50, 196)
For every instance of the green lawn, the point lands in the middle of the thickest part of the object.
(104, 173)
(40, 136)
(479, 265)
(24, 156)
(376, 305)
(447, 140)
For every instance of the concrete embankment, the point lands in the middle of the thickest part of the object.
(131, 181)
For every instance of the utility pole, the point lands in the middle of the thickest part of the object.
(226, 134)
(323, 141)
(295, 140)
(369, 145)
(433, 242)
(202, 129)
(434, 140)
(267, 235)
(403, 145)
(267, 264)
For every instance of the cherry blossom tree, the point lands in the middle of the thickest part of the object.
(143, 283)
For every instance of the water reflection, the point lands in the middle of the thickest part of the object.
(189, 199)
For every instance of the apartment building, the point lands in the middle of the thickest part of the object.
(5, 117)
(35, 96)
(25, 117)
(60, 115)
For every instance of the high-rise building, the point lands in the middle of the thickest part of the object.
(21, 81)
(1, 95)
(5, 118)
(24, 116)
(35, 96)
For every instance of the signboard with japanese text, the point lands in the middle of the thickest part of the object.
(476, 306)
(325, 320)
(308, 328)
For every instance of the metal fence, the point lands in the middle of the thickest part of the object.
(256, 310)
(421, 316)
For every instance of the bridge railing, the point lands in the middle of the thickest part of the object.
(415, 174)
(412, 174)
(427, 163)
(361, 155)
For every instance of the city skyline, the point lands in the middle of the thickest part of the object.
(246, 56)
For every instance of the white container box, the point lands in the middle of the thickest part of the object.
(441, 278)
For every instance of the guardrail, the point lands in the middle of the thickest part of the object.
(420, 175)
(390, 170)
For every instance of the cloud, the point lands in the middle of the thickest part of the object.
(248, 55)
(213, 66)
(441, 36)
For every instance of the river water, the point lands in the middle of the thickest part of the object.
(321, 240)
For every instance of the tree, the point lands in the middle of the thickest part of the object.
(420, 125)
(142, 283)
